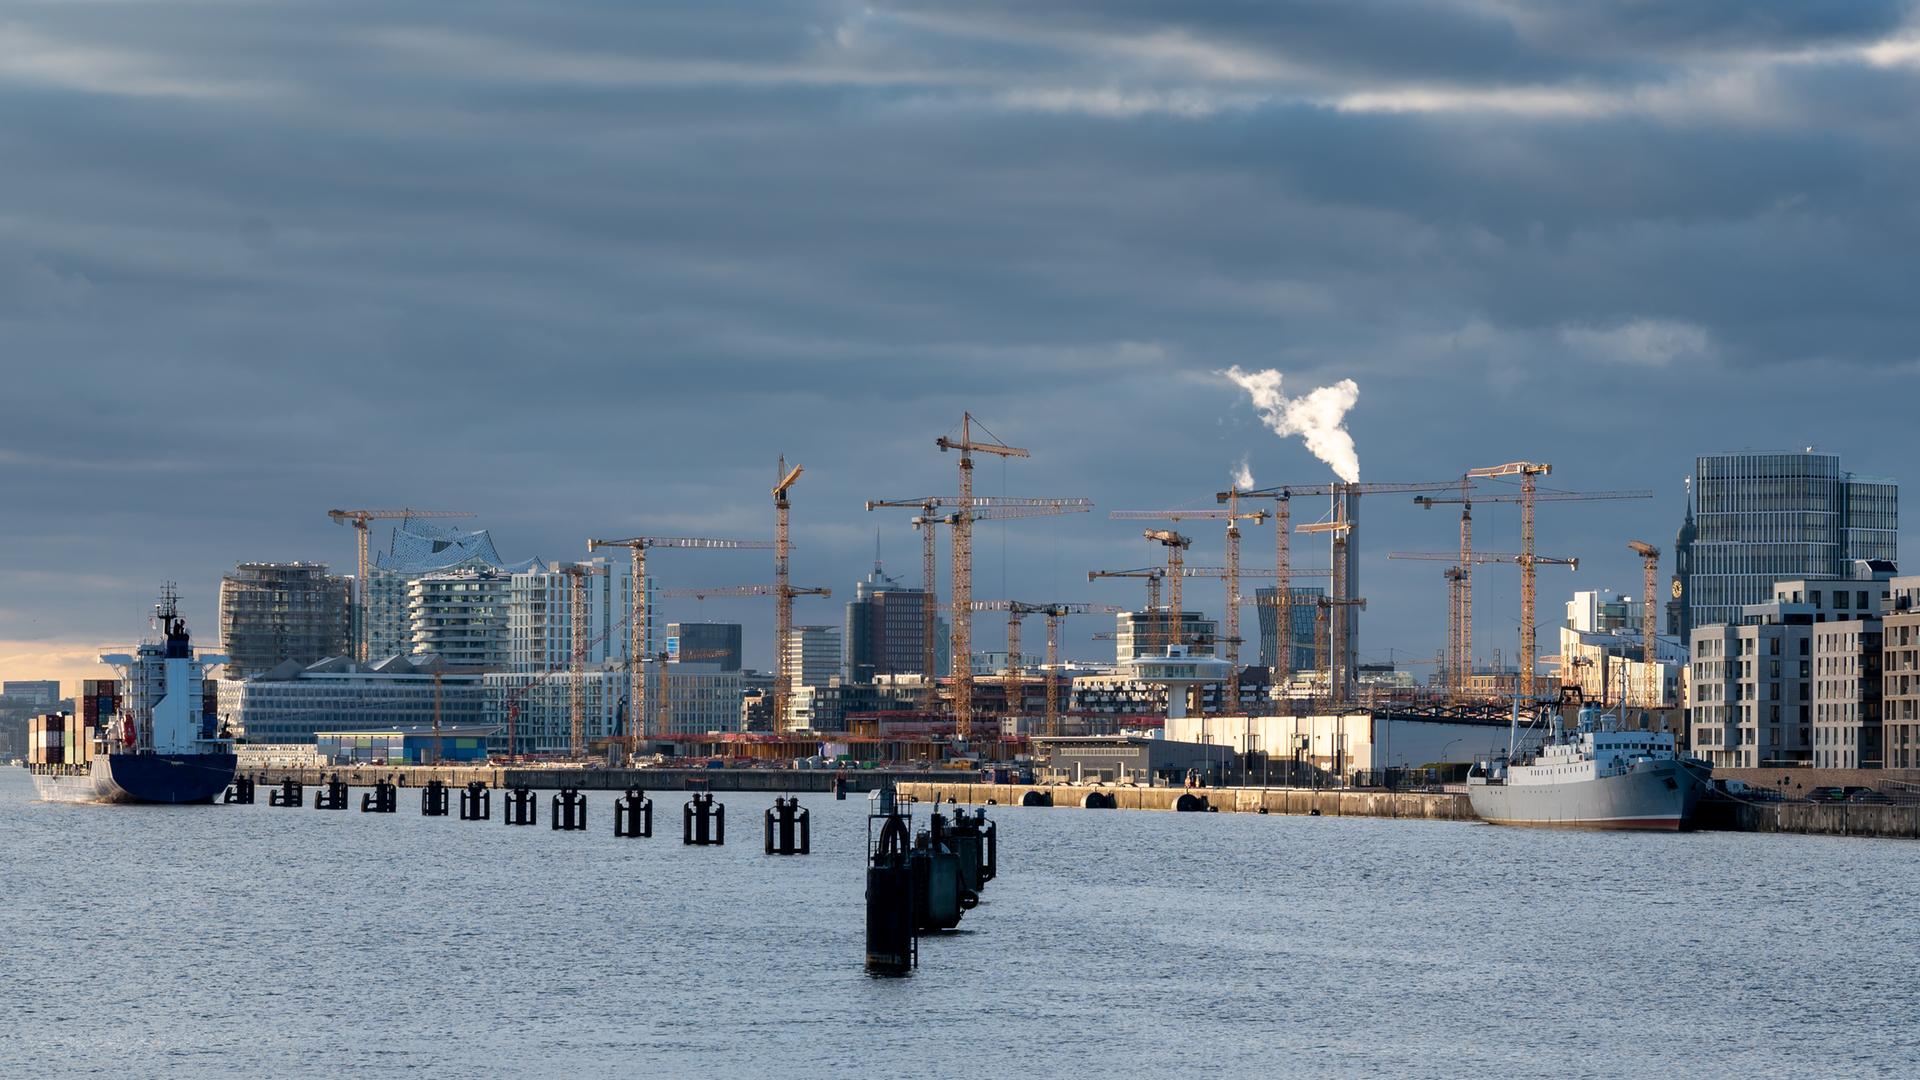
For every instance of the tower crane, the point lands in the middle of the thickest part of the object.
(985, 508)
(1347, 495)
(782, 591)
(1452, 668)
(1172, 632)
(1529, 494)
(1528, 472)
(638, 719)
(359, 519)
(577, 575)
(1154, 575)
(1233, 517)
(1649, 644)
(962, 592)
(1463, 654)
(782, 676)
(1015, 610)
(1458, 614)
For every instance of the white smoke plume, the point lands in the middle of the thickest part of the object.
(1243, 475)
(1319, 418)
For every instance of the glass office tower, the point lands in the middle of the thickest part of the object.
(1767, 517)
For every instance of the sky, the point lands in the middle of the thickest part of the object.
(589, 269)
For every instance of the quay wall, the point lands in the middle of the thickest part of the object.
(1896, 820)
(1813, 819)
(1430, 806)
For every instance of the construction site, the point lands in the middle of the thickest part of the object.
(1177, 673)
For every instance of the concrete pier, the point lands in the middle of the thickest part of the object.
(1429, 806)
(508, 776)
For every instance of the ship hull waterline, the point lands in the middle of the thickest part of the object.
(1653, 796)
(166, 779)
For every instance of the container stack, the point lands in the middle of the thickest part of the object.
(99, 701)
(47, 739)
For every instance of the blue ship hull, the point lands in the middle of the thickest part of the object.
(142, 778)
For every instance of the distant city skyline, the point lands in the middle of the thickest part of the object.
(591, 274)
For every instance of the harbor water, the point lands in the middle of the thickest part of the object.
(255, 941)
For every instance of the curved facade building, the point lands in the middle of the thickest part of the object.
(418, 549)
(461, 617)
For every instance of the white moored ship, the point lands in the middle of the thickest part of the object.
(1596, 775)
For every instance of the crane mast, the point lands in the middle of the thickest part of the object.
(640, 722)
(962, 591)
(576, 575)
(1464, 656)
(1016, 610)
(985, 508)
(1649, 643)
(1232, 515)
(782, 595)
(1528, 472)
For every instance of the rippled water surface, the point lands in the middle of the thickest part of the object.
(226, 941)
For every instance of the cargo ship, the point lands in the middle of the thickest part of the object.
(1596, 775)
(159, 744)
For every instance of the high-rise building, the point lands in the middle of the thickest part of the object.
(885, 628)
(813, 656)
(705, 643)
(536, 686)
(813, 659)
(540, 617)
(461, 617)
(274, 612)
(1305, 597)
(1769, 517)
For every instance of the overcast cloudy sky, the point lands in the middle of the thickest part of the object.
(586, 269)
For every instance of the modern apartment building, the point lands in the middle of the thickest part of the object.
(1900, 675)
(1847, 694)
(1753, 686)
(461, 617)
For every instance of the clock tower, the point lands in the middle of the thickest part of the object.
(1680, 607)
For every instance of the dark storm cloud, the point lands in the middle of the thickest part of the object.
(589, 268)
